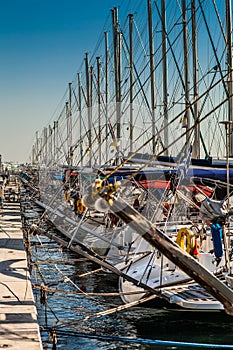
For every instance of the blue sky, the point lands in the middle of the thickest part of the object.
(42, 45)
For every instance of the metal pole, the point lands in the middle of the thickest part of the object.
(228, 126)
(131, 80)
(165, 93)
(152, 72)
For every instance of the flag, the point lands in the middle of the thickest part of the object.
(181, 171)
(184, 165)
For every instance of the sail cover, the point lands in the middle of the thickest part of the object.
(213, 209)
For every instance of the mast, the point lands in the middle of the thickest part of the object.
(131, 80)
(106, 89)
(91, 103)
(99, 104)
(88, 105)
(117, 69)
(230, 72)
(119, 88)
(80, 118)
(164, 62)
(45, 133)
(33, 155)
(37, 147)
(54, 142)
(186, 74)
(196, 144)
(50, 145)
(117, 45)
(56, 138)
(152, 72)
(69, 126)
(67, 131)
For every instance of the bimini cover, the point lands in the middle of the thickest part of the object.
(211, 209)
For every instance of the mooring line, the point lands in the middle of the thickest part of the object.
(10, 290)
(101, 294)
(121, 307)
(5, 232)
(106, 312)
(141, 340)
(90, 272)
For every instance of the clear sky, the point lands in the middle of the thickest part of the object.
(42, 45)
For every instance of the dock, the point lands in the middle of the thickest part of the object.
(19, 328)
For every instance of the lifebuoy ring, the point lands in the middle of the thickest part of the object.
(80, 206)
(186, 240)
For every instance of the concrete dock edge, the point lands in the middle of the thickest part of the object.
(19, 328)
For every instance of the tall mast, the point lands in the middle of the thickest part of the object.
(80, 118)
(50, 145)
(152, 72)
(131, 79)
(56, 138)
(67, 131)
(54, 142)
(70, 111)
(196, 144)
(99, 104)
(91, 92)
(164, 56)
(230, 72)
(33, 155)
(186, 73)
(69, 126)
(45, 146)
(37, 147)
(88, 105)
(119, 88)
(106, 88)
(117, 69)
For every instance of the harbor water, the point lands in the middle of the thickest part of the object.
(78, 291)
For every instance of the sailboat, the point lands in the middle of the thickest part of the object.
(128, 122)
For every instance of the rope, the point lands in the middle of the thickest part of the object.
(64, 261)
(10, 290)
(54, 290)
(142, 340)
(121, 307)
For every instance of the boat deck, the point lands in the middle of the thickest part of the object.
(191, 296)
(18, 317)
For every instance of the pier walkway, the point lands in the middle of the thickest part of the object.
(18, 317)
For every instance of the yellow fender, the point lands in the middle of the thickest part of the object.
(66, 194)
(186, 239)
(80, 206)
